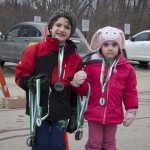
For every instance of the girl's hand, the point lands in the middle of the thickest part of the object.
(129, 117)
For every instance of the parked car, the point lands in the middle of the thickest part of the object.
(138, 47)
(16, 39)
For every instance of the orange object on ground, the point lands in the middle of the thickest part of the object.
(4, 86)
(67, 141)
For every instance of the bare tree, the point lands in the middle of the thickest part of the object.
(100, 13)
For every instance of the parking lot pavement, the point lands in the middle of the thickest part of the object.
(14, 124)
(14, 131)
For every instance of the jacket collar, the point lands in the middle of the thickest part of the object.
(70, 46)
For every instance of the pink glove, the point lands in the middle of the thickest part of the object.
(79, 78)
(129, 117)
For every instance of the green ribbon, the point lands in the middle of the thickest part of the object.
(35, 108)
(82, 107)
(60, 61)
(103, 85)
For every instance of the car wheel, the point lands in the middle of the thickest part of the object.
(2, 63)
(143, 62)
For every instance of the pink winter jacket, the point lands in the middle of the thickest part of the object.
(120, 89)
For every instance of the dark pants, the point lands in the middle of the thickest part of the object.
(50, 136)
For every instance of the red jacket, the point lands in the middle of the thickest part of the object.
(42, 58)
(71, 62)
(121, 88)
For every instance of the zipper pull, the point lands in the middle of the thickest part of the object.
(115, 73)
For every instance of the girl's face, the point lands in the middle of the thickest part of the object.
(61, 30)
(110, 50)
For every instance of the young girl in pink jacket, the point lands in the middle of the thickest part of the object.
(113, 83)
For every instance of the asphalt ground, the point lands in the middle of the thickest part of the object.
(14, 124)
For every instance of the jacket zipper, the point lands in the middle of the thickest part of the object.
(104, 119)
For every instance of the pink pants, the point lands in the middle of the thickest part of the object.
(101, 136)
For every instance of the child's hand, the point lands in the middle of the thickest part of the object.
(79, 78)
(31, 83)
(129, 117)
(72, 125)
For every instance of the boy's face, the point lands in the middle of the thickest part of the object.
(61, 30)
(110, 50)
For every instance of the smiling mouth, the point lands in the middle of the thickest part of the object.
(60, 34)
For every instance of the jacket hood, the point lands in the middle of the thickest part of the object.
(122, 60)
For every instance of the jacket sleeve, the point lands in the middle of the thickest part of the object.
(26, 66)
(130, 98)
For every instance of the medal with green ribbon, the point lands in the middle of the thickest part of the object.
(59, 86)
(81, 108)
(36, 111)
(102, 100)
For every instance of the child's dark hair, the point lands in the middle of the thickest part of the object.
(66, 14)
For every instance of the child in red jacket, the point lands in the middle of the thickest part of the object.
(54, 61)
(113, 82)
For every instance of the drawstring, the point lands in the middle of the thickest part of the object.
(115, 68)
